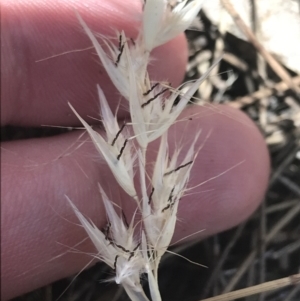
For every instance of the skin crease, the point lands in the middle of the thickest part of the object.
(37, 223)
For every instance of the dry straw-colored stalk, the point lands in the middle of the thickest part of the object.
(257, 289)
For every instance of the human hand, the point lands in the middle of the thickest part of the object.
(37, 173)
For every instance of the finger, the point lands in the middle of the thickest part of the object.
(37, 220)
(36, 93)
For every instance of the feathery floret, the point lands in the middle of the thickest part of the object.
(117, 246)
(161, 22)
(169, 181)
(116, 148)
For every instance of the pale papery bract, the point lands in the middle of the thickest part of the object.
(119, 159)
(117, 248)
(168, 182)
(161, 22)
(162, 112)
(122, 233)
(152, 114)
(116, 63)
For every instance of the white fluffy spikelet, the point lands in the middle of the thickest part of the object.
(116, 63)
(153, 111)
(118, 153)
(159, 111)
(169, 181)
(117, 248)
(161, 23)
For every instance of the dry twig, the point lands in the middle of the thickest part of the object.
(265, 92)
(257, 289)
(278, 69)
(272, 233)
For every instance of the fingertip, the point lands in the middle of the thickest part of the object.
(38, 92)
(39, 217)
(231, 172)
